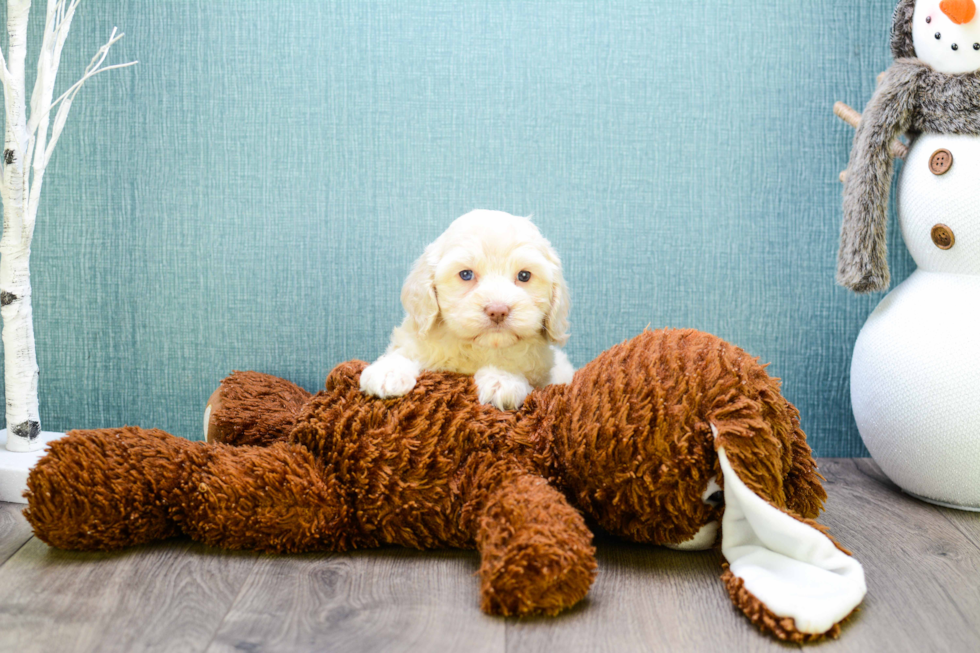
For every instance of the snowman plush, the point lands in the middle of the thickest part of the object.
(915, 375)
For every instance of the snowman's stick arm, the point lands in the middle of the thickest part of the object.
(847, 114)
(899, 149)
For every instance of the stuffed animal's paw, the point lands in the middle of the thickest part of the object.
(392, 375)
(504, 390)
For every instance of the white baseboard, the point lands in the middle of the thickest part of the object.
(14, 467)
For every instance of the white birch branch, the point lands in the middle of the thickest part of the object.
(49, 60)
(20, 359)
(28, 146)
(5, 82)
(4, 73)
(15, 135)
(41, 113)
(47, 71)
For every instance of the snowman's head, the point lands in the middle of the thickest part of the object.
(944, 34)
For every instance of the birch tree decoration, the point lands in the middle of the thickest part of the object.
(27, 151)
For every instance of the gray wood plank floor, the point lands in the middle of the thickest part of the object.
(922, 564)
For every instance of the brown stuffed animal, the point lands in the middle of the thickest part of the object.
(649, 441)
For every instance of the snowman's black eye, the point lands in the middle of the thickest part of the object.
(938, 36)
(976, 46)
(524, 276)
(956, 47)
(928, 19)
(466, 275)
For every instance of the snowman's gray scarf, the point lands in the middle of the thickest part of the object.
(911, 99)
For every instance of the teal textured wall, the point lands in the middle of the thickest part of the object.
(253, 193)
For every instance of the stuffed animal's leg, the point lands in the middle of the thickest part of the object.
(112, 488)
(277, 498)
(537, 554)
(250, 408)
(101, 490)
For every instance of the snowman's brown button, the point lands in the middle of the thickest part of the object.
(943, 237)
(940, 162)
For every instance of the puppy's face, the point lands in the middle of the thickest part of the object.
(492, 280)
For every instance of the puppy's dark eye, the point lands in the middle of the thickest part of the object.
(524, 276)
(716, 498)
(466, 275)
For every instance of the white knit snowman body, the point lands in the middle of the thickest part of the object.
(915, 375)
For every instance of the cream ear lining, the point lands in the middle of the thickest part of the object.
(792, 568)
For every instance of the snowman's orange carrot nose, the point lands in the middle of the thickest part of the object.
(959, 11)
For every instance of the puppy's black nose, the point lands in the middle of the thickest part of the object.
(497, 312)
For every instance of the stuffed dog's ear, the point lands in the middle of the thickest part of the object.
(419, 292)
(784, 572)
(556, 321)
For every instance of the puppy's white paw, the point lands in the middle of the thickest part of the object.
(561, 370)
(504, 390)
(392, 375)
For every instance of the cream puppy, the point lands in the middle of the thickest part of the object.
(487, 298)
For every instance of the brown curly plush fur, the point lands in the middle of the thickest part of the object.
(628, 443)
(239, 394)
(783, 628)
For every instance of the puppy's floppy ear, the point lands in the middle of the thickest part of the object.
(556, 322)
(419, 292)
